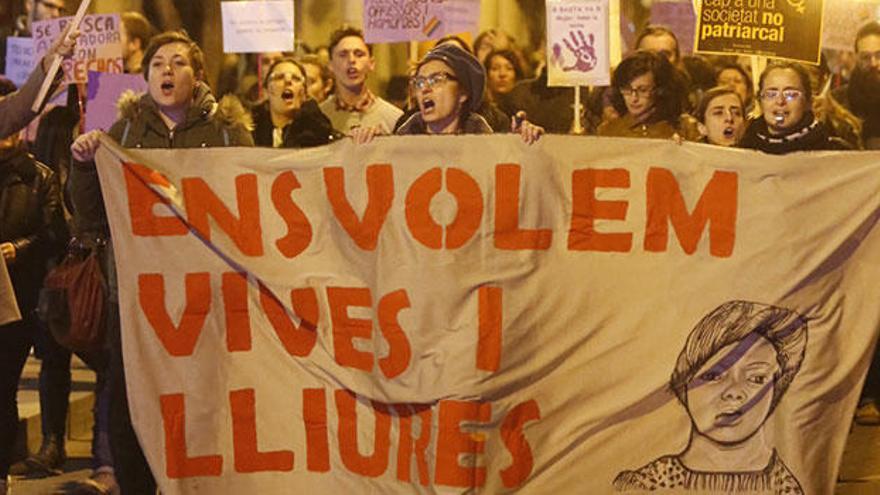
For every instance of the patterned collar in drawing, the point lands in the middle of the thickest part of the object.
(669, 473)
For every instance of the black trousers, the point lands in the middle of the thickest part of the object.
(15, 344)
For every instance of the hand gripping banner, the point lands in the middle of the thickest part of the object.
(471, 314)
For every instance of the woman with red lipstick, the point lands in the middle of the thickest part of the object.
(787, 123)
(649, 94)
(735, 367)
(178, 111)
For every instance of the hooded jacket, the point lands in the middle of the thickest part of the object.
(207, 124)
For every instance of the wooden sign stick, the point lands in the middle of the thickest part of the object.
(56, 59)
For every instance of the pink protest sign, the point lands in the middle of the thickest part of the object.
(417, 20)
(679, 17)
(104, 92)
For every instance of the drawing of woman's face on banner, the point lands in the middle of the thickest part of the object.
(731, 396)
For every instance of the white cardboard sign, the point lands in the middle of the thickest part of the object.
(257, 26)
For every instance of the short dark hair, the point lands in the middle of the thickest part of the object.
(510, 56)
(799, 69)
(138, 27)
(285, 60)
(670, 89)
(312, 59)
(708, 96)
(196, 56)
(871, 28)
(345, 32)
(658, 30)
(456, 39)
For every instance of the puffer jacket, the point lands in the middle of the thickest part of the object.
(207, 124)
(30, 219)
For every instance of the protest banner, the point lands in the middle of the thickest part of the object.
(99, 47)
(258, 26)
(19, 59)
(388, 21)
(577, 37)
(469, 313)
(104, 91)
(842, 21)
(679, 17)
(788, 29)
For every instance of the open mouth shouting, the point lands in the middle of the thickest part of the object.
(428, 105)
(729, 132)
(288, 96)
(167, 87)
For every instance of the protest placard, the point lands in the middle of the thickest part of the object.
(577, 41)
(789, 29)
(842, 20)
(418, 20)
(99, 47)
(258, 26)
(19, 59)
(466, 314)
(104, 90)
(679, 17)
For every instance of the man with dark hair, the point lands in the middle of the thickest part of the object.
(136, 33)
(661, 40)
(862, 95)
(354, 105)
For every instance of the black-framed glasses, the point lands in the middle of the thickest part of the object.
(422, 83)
(787, 94)
(641, 91)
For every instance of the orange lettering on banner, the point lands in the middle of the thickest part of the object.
(376, 463)
(452, 443)
(407, 447)
(491, 317)
(315, 419)
(582, 235)
(178, 340)
(346, 329)
(468, 197)
(244, 231)
(512, 434)
(508, 234)
(380, 194)
(399, 352)
(248, 458)
(418, 209)
(178, 462)
(298, 340)
(142, 199)
(717, 206)
(235, 302)
(299, 230)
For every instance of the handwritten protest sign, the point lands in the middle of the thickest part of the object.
(577, 38)
(789, 29)
(99, 47)
(418, 20)
(842, 20)
(467, 314)
(679, 17)
(104, 90)
(258, 26)
(19, 59)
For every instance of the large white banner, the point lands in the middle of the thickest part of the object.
(471, 314)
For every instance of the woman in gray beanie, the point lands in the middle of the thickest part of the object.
(448, 85)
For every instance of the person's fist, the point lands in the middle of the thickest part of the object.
(85, 146)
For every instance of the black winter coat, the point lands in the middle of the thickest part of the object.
(310, 127)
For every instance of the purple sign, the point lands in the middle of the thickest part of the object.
(418, 20)
(679, 17)
(105, 88)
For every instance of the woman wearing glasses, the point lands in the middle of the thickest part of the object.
(649, 94)
(787, 122)
(290, 118)
(448, 86)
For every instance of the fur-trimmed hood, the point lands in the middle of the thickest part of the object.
(229, 111)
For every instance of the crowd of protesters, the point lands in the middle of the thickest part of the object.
(296, 100)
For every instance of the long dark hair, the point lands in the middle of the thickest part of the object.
(670, 89)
